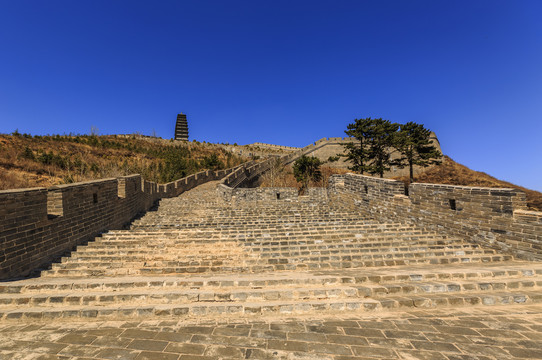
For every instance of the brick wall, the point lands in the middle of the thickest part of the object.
(38, 225)
(497, 218)
(276, 194)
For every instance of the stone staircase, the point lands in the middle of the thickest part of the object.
(198, 256)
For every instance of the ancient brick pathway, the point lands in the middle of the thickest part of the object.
(310, 279)
(481, 333)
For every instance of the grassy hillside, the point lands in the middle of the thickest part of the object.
(452, 173)
(29, 161)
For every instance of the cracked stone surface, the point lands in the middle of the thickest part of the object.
(476, 333)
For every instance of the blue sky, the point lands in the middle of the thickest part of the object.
(282, 72)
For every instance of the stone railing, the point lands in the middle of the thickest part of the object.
(284, 194)
(494, 217)
(40, 224)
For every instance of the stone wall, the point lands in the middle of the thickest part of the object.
(279, 194)
(40, 224)
(497, 218)
(325, 148)
(274, 147)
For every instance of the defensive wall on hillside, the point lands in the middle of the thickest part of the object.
(274, 147)
(493, 217)
(497, 218)
(325, 148)
(40, 224)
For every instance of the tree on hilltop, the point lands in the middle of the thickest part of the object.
(356, 153)
(381, 135)
(413, 142)
(306, 169)
(373, 153)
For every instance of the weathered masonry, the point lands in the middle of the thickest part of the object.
(495, 218)
(40, 224)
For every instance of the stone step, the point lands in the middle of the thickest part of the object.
(446, 287)
(355, 247)
(243, 294)
(202, 309)
(168, 253)
(265, 238)
(279, 291)
(369, 241)
(259, 215)
(218, 213)
(272, 258)
(385, 239)
(107, 269)
(237, 254)
(171, 296)
(313, 230)
(171, 224)
(396, 275)
(280, 246)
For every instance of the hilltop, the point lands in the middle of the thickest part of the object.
(30, 161)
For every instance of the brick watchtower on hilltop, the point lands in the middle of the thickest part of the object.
(181, 128)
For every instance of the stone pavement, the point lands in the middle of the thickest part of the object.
(468, 333)
(200, 278)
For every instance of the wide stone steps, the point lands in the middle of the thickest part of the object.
(270, 307)
(197, 258)
(331, 232)
(284, 234)
(266, 238)
(271, 257)
(256, 266)
(170, 296)
(167, 253)
(237, 224)
(210, 213)
(393, 275)
(301, 292)
(283, 238)
(244, 294)
(370, 242)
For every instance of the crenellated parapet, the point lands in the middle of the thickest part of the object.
(494, 217)
(40, 224)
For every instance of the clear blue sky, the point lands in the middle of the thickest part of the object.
(282, 72)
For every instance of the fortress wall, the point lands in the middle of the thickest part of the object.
(271, 146)
(276, 194)
(331, 147)
(38, 225)
(497, 218)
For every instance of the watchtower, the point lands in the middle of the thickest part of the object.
(181, 128)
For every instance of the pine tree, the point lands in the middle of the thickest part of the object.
(356, 152)
(413, 142)
(380, 139)
(306, 169)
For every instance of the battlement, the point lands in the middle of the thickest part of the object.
(494, 217)
(40, 224)
(271, 146)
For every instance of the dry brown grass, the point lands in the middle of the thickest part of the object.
(452, 173)
(27, 161)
